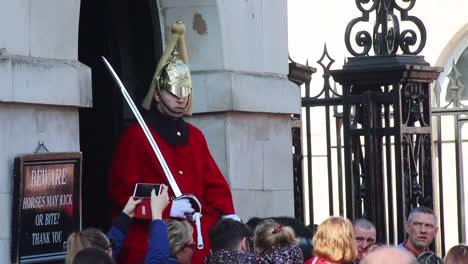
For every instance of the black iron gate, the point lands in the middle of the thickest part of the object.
(330, 100)
(377, 159)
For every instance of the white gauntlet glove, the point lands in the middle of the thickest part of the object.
(180, 207)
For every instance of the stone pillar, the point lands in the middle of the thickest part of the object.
(243, 100)
(42, 85)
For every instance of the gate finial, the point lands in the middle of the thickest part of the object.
(386, 35)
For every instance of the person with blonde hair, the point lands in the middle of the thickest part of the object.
(334, 242)
(457, 255)
(181, 243)
(277, 243)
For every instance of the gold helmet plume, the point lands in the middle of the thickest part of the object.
(172, 72)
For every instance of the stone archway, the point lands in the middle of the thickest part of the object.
(452, 52)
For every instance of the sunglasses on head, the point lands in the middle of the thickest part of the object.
(191, 245)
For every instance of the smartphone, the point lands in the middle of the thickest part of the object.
(143, 191)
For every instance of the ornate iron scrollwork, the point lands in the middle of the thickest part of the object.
(426, 159)
(416, 152)
(413, 101)
(386, 37)
(417, 169)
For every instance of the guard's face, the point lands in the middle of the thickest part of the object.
(421, 231)
(172, 106)
(176, 79)
(364, 238)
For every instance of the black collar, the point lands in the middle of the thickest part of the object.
(174, 131)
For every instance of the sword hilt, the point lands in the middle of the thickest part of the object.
(195, 216)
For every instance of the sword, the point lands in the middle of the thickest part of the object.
(145, 128)
(167, 172)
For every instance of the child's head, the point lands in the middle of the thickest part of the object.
(229, 234)
(303, 233)
(457, 255)
(269, 233)
(93, 256)
(90, 237)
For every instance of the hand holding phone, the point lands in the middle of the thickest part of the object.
(130, 207)
(159, 202)
(143, 191)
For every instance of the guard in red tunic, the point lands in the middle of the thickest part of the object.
(184, 148)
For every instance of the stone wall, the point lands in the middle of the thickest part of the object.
(41, 87)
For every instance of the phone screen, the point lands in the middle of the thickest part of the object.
(144, 189)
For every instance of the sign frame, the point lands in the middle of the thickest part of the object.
(52, 176)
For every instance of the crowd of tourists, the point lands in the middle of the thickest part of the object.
(274, 240)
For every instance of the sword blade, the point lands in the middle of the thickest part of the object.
(144, 127)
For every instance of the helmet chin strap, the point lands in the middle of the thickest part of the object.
(166, 105)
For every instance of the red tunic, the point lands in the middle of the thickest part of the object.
(317, 260)
(194, 170)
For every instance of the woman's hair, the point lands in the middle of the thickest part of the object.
(457, 255)
(303, 233)
(90, 237)
(269, 233)
(92, 256)
(334, 240)
(179, 234)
